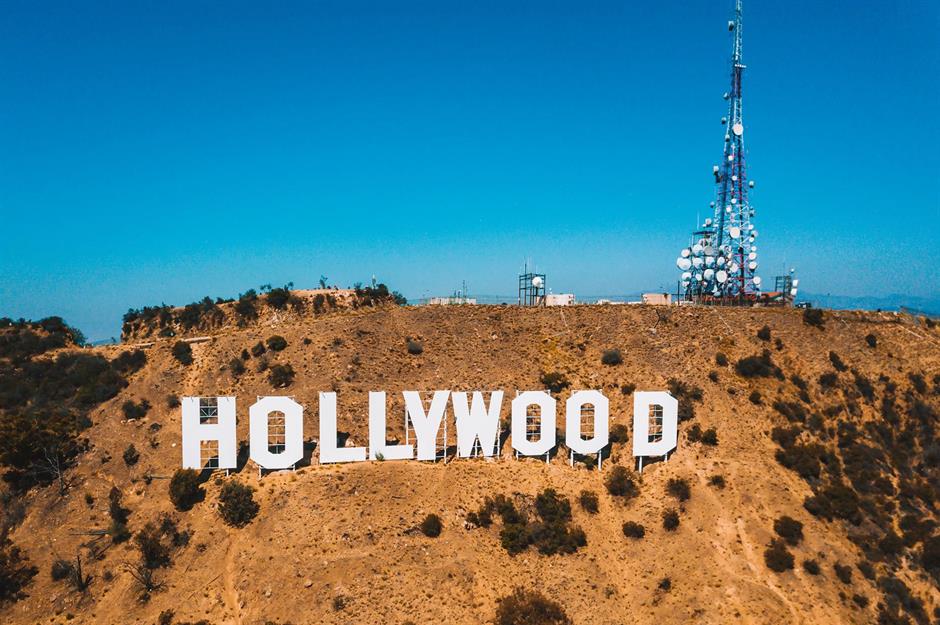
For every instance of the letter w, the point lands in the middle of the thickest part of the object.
(477, 422)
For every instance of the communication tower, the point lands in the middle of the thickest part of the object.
(719, 266)
(531, 288)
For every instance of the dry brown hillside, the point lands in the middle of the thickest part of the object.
(338, 543)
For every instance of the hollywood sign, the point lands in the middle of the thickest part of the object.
(212, 420)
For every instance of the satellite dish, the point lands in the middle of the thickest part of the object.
(721, 261)
(752, 265)
(708, 222)
(738, 129)
(697, 261)
(730, 157)
(686, 275)
(734, 178)
(724, 120)
(711, 204)
(727, 209)
(709, 250)
(537, 281)
(683, 263)
(709, 261)
(752, 256)
(697, 249)
(796, 283)
(734, 200)
(721, 276)
(734, 232)
(734, 268)
(750, 184)
(709, 273)
(685, 253)
(698, 277)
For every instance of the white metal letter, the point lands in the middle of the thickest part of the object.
(427, 425)
(547, 419)
(664, 441)
(477, 421)
(377, 445)
(329, 450)
(222, 430)
(573, 422)
(258, 421)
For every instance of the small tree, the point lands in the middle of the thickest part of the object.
(153, 553)
(415, 348)
(236, 366)
(185, 490)
(632, 529)
(611, 357)
(131, 455)
(670, 520)
(237, 504)
(183, 352)
(555, 381)
(620, 483)
(814, 317)
(589, 502)
(679, 488)
(777, 557)
(764, 333)
(789, 529)
(529, 607)
(276, 343)
(281, 376)
(431, 526)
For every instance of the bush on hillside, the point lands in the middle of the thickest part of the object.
(555, 381)
(131, 455)
(814, 317)
(679, 488)
(415, 348)
(183, 352)
(236, 366)
(281, 376)
(185, 489)
(620, 483)
(15, 571)
(789, 529)
(237, 504)
(721, 360)
(619, 434)
(133, 410)
(529, 607)
(632, 529)
(589, 501)
(777, 557)
(811, 567)
(764, 333)
(872, 340)
(758, 366)
(431, 526)
(670, 520)
(276, 343)
(611, 357)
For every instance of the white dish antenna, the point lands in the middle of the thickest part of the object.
(537, 281)
(757, 280)
(709, 273)
(686, 276)
(752, 265)
(752, 256)
(697, 249)
(734, 231)
(685, 253)
(697, 262)
(738, 129)
(683, 263)
(721, 275)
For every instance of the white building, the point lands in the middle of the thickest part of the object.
(559, 299)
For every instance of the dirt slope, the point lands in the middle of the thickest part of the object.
(347, 531)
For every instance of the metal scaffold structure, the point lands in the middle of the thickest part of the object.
(719, 266)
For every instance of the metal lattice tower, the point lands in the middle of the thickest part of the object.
(720, 263)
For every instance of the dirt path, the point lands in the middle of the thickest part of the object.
(229, 590)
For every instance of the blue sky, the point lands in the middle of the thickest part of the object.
(160, 152)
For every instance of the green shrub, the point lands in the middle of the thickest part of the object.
(589, 501)
(710, 437)
(755, 398)
(721, 360)
(837, 362)
(185, 489)
(777, 557)
(257, 349)
(872, 340)
(620, 483)
(555, 381)
(679, 488)
(279, 297)
(133, 410)
(281, 376)
(236, 366)
(843, 572)
(828, 381)
(789, 529)
(183, 352)
(611, 357)
(670, 520)
(431, 526)
(758, 366)
(814, 317)
(811, 567)
(276, 343)
(529, 607)
(15, 571)
(237, 505)
(415, 348)
(718, 481)
(131, 455)
(764, 333)
(153, 552)
(632, 529)
(129, 362)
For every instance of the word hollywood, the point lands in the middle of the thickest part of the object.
(212, 420)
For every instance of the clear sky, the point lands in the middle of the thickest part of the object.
(163, 151)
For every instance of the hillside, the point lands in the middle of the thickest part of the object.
(851, 407)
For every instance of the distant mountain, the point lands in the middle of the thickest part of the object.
(914, 304)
